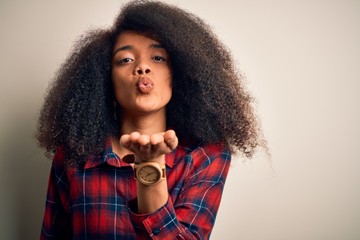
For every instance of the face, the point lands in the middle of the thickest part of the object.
(141, 74)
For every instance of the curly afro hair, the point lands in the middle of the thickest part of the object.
(209, 102)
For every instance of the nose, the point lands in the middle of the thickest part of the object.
(142, 68)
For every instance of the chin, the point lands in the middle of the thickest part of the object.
(150, 110)
(150, 106)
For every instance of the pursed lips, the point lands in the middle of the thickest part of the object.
(145, 85)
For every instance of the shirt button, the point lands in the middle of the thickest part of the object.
(156, 231)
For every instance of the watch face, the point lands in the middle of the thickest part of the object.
(149, 174)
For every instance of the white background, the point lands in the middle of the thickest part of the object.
(301, 59)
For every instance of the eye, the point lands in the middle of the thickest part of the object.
(124, 61)
(159, 59)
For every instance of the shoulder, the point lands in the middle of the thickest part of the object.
(58, 162)
(205, 163)
(59, 156)
(203, 155)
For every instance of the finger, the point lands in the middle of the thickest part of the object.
(134, 145)
(144, 141)
(171, 139)
(125, 140)
(157, 143)
(156, 138)
(169, 142)
(134, 136)
(160, 148)
(169, 134)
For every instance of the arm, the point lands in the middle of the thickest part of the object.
(193, 214)
(150, 148)
(198, 204)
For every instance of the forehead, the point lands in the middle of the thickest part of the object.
(133, 38)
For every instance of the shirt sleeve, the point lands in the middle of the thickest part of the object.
(193, 213)
(56, 222)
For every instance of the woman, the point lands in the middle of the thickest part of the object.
(142, 118)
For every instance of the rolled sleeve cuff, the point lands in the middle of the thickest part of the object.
(162, 224)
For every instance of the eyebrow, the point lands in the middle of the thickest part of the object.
(129, 47)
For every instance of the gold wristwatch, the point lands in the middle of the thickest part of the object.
(149, 173)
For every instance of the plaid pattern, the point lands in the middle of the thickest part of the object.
(98, 201)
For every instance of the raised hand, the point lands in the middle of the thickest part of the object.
(150, 147)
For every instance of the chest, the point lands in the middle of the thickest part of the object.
(113, 185)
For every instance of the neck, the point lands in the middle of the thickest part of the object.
(144, 124)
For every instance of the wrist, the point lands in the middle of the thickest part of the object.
(160, 159)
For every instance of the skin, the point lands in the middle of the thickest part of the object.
(136, 56)
(143, 123)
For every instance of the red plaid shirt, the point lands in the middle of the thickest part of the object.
(98, 201)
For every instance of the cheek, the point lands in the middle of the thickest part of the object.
(119, 91)
(118, 82)
(116, 77)
(168, 76)
(168, 89)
